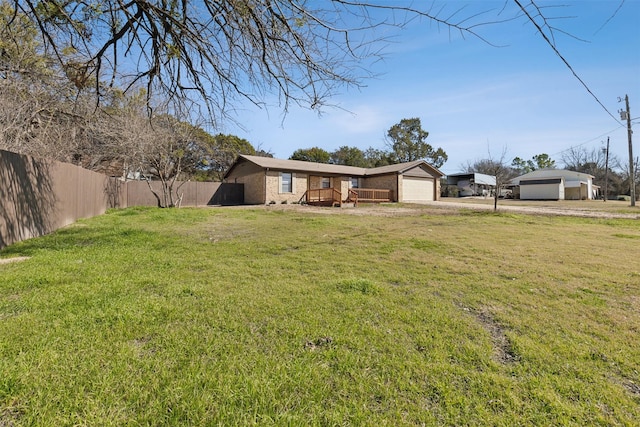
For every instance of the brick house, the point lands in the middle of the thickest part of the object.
(268, 180)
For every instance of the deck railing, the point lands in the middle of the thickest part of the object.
(323, 196)
(375, 195)
(332, 197)
(352, 197)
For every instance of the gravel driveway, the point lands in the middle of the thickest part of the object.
(439, 206)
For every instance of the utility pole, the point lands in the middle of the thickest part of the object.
(606, 172)
(627, 115)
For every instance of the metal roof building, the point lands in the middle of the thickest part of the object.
(472, 184)
(556, 184)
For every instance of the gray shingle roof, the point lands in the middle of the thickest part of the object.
(300, 166)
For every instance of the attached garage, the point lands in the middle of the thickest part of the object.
(417, 189)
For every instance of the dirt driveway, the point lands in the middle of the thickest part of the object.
(588, 210)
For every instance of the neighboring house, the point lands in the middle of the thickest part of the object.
(472, 184)
(556, 184)
(269, 180)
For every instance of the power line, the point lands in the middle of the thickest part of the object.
(587, 142)
(557, 52)
(610, 18)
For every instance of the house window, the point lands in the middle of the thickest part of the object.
(355, 183)
(326, 182)
(286, 182)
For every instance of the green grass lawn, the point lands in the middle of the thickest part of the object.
(259, 316)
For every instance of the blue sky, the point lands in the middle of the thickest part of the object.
(477, 100)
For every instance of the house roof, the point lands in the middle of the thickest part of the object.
(326, 168)
(298, 165)
(567, 175)
(400, 168)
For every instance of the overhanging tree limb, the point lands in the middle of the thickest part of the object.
(222, 51)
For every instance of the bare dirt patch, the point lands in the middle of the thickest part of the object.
(386, 210)
(14, 259)
(446, 207)
(318, 343)
(578, 209)
(9, 417)
(632, 388)
(503, 351)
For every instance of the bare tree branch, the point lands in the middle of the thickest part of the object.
(221, 52)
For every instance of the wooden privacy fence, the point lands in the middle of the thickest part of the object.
(39, 196)
(137, 193)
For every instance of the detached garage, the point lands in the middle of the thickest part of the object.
(556, 184)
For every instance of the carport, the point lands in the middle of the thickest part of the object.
(472, 184)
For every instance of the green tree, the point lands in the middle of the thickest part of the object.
(543, 161)
(216, 154)
(21, 51)
(314, 154)
(375, 158)
(539, 161)
(408, 142)
(349, 156)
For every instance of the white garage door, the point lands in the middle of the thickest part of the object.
(417, 189)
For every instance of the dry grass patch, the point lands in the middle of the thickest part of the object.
(13, 259)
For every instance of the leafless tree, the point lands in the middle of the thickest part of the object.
(40, 111)
(582, 159)
(592, 162)
(493, 166)
(210, 54)
(225, 50)
(35, 120)
(126, 142)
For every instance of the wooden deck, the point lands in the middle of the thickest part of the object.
(322, 197)
(333, 197)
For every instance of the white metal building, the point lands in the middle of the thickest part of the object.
(556, 184)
